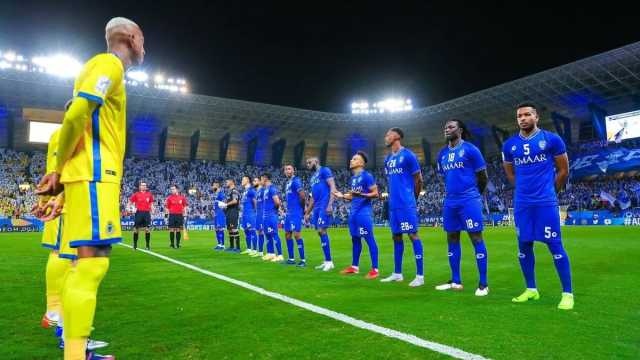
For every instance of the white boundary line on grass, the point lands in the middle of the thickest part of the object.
(408, 338)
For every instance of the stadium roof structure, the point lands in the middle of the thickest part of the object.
(605, 79)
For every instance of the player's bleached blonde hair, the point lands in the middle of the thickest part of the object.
(117, 22)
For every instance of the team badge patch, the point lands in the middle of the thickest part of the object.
(102, 85)
(461, 153)
(109, 228)
(542, 144)
(513, 148)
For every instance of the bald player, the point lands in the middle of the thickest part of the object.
(90, 156)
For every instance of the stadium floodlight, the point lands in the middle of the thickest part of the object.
(61, 65)
(9, 56)
(159, 78)
(170, 80)
(137, 75)
(4, 65)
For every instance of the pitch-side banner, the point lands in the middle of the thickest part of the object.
(606, 162)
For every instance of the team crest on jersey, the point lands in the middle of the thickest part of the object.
(102, 85)
(513, 148)
(542, 144)
(109, 228)
(401, 158)
(461, 153)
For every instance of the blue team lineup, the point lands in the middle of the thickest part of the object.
(534, 160)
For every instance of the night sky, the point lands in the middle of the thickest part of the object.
(325, 56)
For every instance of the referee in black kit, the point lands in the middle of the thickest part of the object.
(233, 214)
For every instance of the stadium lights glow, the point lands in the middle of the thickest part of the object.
(138, 75)
(389, 105)
(65, 66)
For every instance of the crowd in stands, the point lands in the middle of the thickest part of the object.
(20, 171)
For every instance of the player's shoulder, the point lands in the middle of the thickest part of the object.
(550, 135)
(514, 139)
(407, 152)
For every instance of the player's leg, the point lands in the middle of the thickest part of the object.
(260, 241)
(247, 237)
(92, 234)
(481, 262)
(147, 231)
(525, 230)
(548, 225)
(277, 243)
(398, 248)
(300, 244)
(135, 234)
(268, 228)
(55, 271)
(472, 216)
(356, 246)
(418, 252)
(288, 237)
(178, 229)
(452, 224)
(366, 223)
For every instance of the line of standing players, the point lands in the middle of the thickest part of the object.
(535, 161)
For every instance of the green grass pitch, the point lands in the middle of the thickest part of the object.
(149, 308)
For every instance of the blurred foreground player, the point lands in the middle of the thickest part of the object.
(89, 163)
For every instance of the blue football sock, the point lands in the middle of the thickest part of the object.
(527, 263)
(260, 242)
(356, 250)
(292, 255)
(269, 243)
(278, 243)
(561, 261)
(254, 240)
(300, 243)
(326, 247)
(481, 261)
(398, 250)
(220, 237)
(417, 251)
(455, 253)
(373, 250)
(247, 239)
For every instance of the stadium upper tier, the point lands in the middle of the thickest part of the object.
(610, 80)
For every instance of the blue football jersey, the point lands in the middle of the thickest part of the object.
(400, 168)
(259, 202)
(361, 183)
(534, 167)
(269, 206)
(459, 166)
(320, 189)
(294, 205)
(248, 196)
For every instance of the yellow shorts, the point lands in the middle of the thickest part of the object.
(92, 214)
(64, 250)
(51, 234)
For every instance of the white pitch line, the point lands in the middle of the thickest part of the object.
(408, 338)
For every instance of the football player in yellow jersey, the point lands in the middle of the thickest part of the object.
(56, 267)
(90, 158)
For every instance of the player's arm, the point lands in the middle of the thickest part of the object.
(417, 184)
(276, 201)
(562, 171)
(234, 199)
(508, 170)
(307, 210)
(332, 189)
(482, 179)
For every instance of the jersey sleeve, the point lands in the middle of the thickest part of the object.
(151, 198)
(133, 198)
(297, 185)
(412, 164)
(103, 75)
(506, 152)
(186, 203)
(369, 181)
(438, 165)
(477, 161)
(325, 173)
(557, 146)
